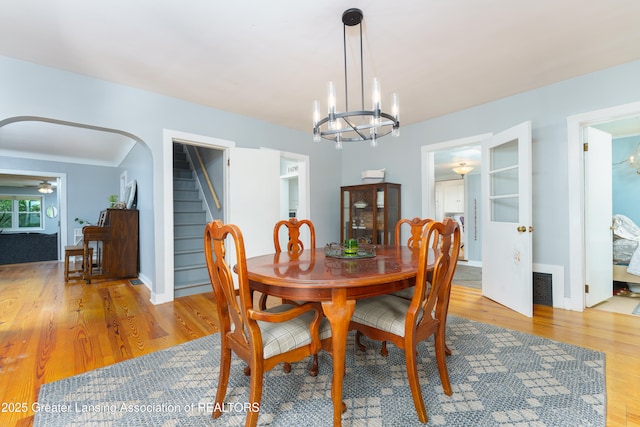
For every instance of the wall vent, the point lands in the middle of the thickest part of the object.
(542, 289)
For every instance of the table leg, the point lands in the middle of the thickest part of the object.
(338, 311)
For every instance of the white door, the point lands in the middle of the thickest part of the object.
(254, 196)
(597, 215)
(507, 275)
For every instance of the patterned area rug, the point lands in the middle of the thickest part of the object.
(499, 378)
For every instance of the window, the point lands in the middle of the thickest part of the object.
(21, 213)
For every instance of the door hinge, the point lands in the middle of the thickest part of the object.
(228, 162)
(586, 288)
(585, 146)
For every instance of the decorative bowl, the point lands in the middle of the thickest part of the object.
(360, 205)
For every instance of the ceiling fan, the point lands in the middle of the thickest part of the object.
(45, 187)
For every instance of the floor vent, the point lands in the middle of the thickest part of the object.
(542, 289)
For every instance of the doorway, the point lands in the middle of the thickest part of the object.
(53, 219)
(438, 162)
(607, 161)
(245, 171)
(447, 193)
(605, 119)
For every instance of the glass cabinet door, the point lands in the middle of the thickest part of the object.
(391, 212)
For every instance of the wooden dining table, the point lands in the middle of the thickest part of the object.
(336, 283)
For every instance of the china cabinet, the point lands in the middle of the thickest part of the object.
(369, 212)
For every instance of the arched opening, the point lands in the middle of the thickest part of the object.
(85, 165)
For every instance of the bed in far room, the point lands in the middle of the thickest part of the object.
(626, 252)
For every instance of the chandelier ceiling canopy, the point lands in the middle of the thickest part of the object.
(356, 125)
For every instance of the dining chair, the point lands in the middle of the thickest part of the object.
(404, 322)
(416, 227)
(293, 245)
(263, 339)
(293, 225)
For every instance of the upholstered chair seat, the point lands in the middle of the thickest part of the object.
(282, 337)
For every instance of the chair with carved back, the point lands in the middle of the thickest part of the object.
(293, 225)
(263, 339)
(451, 237)
(404, 322)
(416, 227)
(293, 245)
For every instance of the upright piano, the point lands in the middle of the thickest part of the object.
(115, 246)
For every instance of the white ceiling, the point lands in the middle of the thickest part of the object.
(270, 59)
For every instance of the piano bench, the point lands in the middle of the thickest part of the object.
(75, 251)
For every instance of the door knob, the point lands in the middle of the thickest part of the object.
(531, 229)
(522, 229)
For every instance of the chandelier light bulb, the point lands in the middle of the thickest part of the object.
(316, 113)
(376, 97)
(331, 97)
(395, 105)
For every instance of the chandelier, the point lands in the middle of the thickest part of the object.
(357, 125)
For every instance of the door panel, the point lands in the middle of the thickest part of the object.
(598, 216)
(507, 275)
(254, 196)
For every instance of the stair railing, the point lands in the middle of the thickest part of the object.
(206, 177)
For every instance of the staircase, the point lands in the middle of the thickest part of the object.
(189, 219)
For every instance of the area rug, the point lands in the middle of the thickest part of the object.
(499, 378)
(468, 276)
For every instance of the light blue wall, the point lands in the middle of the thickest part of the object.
(32, 90)
(625, 180)
(547, 108)
(473, 230)
(137, 166)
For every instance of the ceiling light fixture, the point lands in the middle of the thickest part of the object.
(462, 170)
(358, 125)
(45, 187)
(633, 159)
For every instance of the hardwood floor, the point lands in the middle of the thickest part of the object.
(50, 330)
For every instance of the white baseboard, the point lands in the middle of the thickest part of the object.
(557, 282)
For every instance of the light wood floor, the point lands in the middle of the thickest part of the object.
(50, 330)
